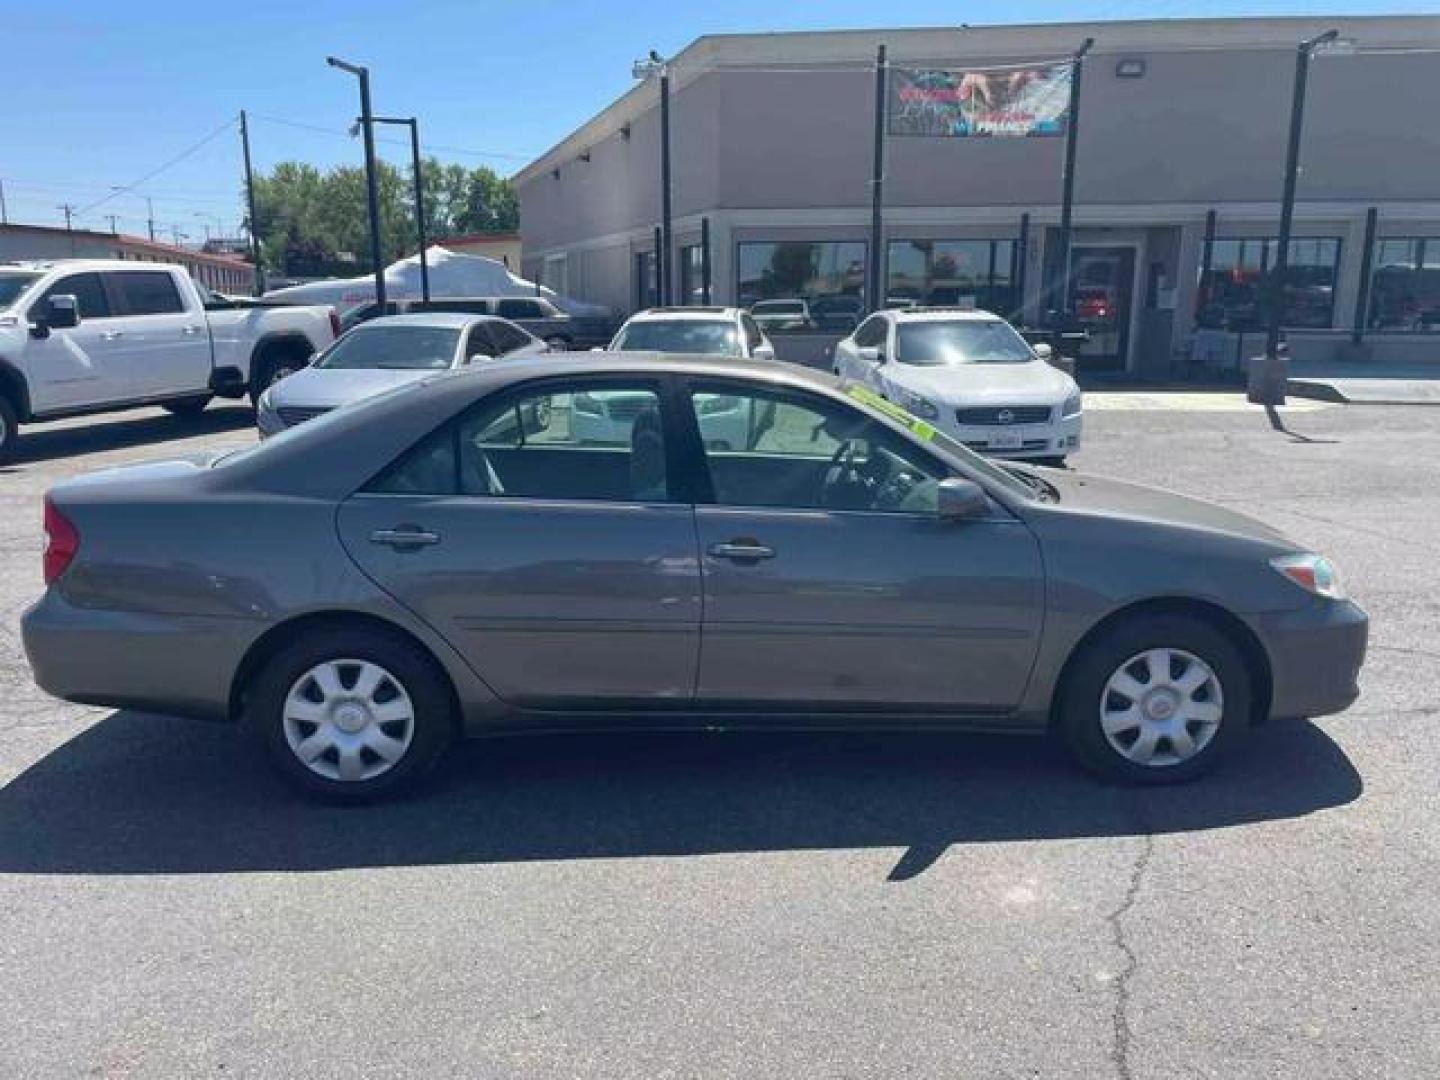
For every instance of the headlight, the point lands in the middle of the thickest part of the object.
(919, 406)
(1313, 573)
(1072, 405)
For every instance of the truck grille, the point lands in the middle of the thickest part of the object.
(994, 415)
(292, 415)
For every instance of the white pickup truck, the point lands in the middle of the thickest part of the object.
(83, 336)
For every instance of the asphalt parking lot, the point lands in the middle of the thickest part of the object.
(750, 906)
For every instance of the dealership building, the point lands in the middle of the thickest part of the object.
(1179, 161)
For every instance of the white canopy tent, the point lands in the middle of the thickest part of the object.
(451, 274)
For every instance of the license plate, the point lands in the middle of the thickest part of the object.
(1006, 440)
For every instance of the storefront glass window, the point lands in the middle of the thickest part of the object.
(647, 291)
(952, 272)
(796, 286)
(692, 275)
(1232, 295)
(1405, 285)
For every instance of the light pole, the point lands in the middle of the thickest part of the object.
(372, 188)
(414, 125)
(149, 207)
(1067, 180)
(1267, 382)
(652, 65)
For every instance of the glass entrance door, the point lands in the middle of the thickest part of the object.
(1102, 281)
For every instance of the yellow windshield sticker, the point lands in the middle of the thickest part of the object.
(917, 427)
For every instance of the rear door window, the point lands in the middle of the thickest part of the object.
(147, 292)
(520, 309)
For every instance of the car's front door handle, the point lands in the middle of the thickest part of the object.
(742, 551)
(189, 330)
(404, 538)
(111, 335)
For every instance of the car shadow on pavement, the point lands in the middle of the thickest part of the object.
(44, 443)
(143, 794)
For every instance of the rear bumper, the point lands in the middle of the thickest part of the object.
(175, 664)
(1315, 657)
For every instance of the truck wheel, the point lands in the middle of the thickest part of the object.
(274, 364)
(9, 428)
(186, 408)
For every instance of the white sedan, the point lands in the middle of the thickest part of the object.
(970, 374)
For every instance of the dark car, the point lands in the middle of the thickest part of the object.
(450, 558)
(534, 314)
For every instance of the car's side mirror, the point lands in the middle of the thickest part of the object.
(871, 354)
(1043, 351)
(61, 312)
(962, 500)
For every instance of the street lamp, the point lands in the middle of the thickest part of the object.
(149, 207)
(1267, 382)
(372, 189)
(414, 125)
(655, 65)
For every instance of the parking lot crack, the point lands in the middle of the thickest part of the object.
(1122, 1035)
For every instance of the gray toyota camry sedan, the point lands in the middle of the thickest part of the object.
(449, 558)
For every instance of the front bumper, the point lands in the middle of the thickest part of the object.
(1315, 657)
(1053, 438)
(175, 664)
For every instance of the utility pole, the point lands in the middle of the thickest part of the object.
(419, 176)
(258, 276)
(372, 185)
(150, 220)
(1267, 383)
(4, 214)
(69, 211)
(1067, 182)
(644, 69)
(112, 218)
(876, 291)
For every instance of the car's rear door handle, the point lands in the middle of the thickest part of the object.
(404, 537)
(742, 551)
(189, 330)
(111, 335)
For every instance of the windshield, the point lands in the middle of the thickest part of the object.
(971, 341)
(983, 467)
(713, 337)
(396, 348)
(12, 285)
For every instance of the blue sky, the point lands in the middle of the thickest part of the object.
(99, 93)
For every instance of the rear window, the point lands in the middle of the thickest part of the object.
(520, 309)
(710, 337)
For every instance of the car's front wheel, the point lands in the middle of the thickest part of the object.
(1158, 699)
(352, 714)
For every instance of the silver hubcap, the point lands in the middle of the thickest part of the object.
(348, 720)
(1161, 707)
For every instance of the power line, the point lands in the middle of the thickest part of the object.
(303, 126)
(130, 187)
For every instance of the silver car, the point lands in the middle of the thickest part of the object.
(447, 559)
(384, 353)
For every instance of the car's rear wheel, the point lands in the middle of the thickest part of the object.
(1156, 700)
(352, 714)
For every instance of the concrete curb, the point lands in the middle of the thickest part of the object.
(1357, 391)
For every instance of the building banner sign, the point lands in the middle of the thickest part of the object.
(1009, 102)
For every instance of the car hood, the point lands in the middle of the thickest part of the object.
(1117, 498)
(321, 388)
(965, 384)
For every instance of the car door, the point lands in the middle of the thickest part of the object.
(77, 367)
(163, 340)
(831, 581)
(567, 575)
(870, 334)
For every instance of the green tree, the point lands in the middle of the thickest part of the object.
(317, 223)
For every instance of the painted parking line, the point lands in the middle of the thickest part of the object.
(1189, 401)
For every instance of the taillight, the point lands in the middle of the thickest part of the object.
(62, 541)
